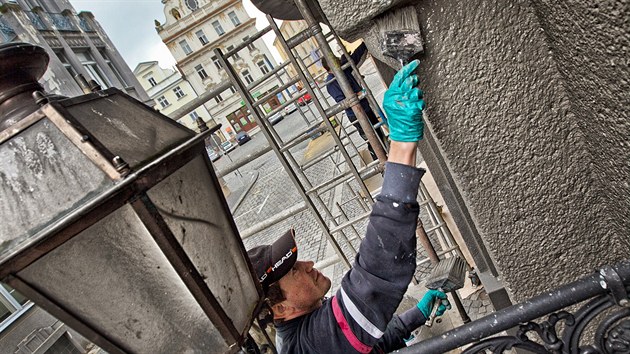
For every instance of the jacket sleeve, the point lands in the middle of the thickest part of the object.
(357, 317)
(334, 90)
(372, 290)
(399, 329)
(358, 53)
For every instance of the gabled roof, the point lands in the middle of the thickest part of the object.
(144, 65)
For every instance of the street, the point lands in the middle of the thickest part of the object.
(271, 190)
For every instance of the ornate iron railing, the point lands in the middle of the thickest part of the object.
(36, 20)
(607, 301)
(62, 22)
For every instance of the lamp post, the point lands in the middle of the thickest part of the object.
(114, 221)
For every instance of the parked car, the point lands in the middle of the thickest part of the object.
(290, 108)
(302, 101)
(213, 154)
(242, 138)
(227, 146)
(275, 118)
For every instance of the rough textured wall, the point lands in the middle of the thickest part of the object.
(528, 103)
(352, 18)
(590, 41)
(512, 105)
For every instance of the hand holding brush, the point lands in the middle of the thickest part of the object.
(447, 276)
(433, 304)
(403, 104)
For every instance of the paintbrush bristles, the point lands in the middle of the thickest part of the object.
(399, 34)
(404, 18)
(448, 275)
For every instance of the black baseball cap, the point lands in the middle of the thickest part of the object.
(272, 262)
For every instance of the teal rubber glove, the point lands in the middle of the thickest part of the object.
(403, 105)
(428, 301)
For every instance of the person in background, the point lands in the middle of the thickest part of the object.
(335, 92)
(360, 317)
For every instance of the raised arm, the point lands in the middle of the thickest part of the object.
(371, 291)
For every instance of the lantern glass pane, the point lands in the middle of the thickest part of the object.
(43, 177)
(128, 128)
(196, 213)
(114, 277)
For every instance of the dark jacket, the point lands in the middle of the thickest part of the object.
(335, 90)
(359, 318)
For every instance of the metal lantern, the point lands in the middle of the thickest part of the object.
(113, 219)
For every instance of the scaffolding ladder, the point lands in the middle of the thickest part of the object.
(337, 225)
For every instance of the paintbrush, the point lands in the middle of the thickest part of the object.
(447, 276)
(400, 34)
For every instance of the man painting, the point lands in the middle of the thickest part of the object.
(360, 317)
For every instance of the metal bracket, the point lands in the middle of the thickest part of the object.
(612, 281)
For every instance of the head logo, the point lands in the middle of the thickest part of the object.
(281, 261)
(275, 266)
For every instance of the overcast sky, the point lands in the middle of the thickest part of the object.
(129, 24)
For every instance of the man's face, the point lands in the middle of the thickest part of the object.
(304, 286)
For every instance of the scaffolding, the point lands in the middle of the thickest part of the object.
(339, 226)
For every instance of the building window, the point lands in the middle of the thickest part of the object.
(263, 67)
(185, 47)
(178, 92)
(202, 37)
(152, 81)
(230, 48)
(93, 69)
(193, 115)
(267, 61)
(163, 101)
(192, 4)
(201, 71)
(232, 89)
(247, 76)
(113, 68)
(216, 62)
(251, 45)
(234, 18)
(66, 64)
(11, 302)
(218, 98)
(218, 28)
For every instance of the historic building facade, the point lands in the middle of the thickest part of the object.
(308, 50)
(193, 28)
(169, 92)
(76, 44)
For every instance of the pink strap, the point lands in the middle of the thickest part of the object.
(345, 328)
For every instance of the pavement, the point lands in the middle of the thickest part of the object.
(263, 189)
